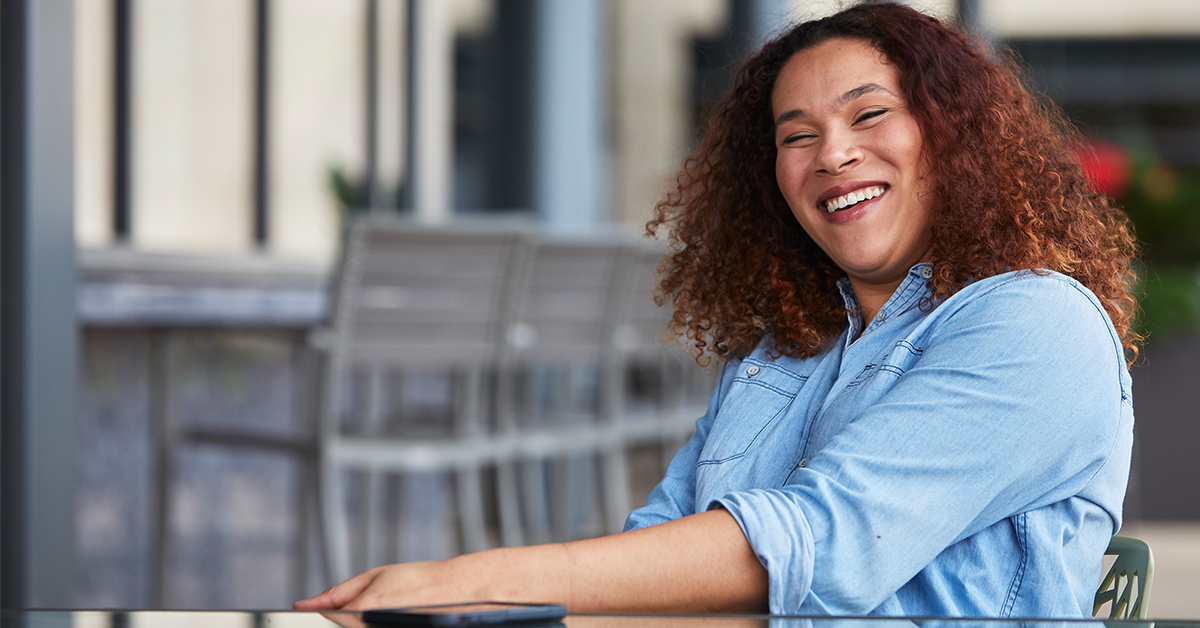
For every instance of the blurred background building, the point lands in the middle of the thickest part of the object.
(217, 147)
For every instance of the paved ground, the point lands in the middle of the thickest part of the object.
(1175, 592)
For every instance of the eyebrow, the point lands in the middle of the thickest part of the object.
(857, 92)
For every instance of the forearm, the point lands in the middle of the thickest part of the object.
(693, 564)
(699, 563)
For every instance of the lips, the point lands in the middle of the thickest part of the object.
(849, 194)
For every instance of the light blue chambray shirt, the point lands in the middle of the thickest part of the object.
(968, 461)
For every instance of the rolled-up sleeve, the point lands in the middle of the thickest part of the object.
(1013, 402)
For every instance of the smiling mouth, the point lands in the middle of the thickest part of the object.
(851, 199)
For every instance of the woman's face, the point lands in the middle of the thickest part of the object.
(849, 160)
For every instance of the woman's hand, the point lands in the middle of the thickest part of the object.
(501, 575)
(390, 585)
(700, 563)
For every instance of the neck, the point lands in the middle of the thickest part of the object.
(872, 296)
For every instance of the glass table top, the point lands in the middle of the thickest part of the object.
(296, 619)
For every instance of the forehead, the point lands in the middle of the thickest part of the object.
(822, 74)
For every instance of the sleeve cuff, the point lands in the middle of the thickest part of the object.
(781, 538)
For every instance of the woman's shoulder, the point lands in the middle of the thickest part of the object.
(1040, 295)
(1035, 308)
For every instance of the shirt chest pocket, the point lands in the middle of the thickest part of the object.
(756, 399)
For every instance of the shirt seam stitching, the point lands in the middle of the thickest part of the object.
(775, 367)
(1014, 588)
(753, 382)
(741, 454)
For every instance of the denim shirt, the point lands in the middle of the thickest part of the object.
(966, 461)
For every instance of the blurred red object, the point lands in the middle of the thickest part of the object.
(1106, 165)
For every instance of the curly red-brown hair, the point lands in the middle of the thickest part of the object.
(742, 268)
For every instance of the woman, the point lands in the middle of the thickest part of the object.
(923, 312)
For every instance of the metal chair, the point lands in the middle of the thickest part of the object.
(559, 336)
(667, 417)
(1132, 573)
(411, 297)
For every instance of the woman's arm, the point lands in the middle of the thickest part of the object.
(699, 563)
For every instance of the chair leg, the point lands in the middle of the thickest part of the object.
(614, 466)
(391, 546)
(468, 418)
(374, 481)
(507, 484)
(509, 504)
(373, 494)
(615, 483)
(310, 537)
(470, 510)
(671, 405)
(533, 472)
(533, 476)
(560, 509)
(333, 523)
(159, 362)
(300, 568)
(305, 493)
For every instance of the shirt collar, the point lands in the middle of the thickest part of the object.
(907, 295)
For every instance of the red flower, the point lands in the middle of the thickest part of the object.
(1105, 165)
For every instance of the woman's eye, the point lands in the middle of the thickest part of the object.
(797, 137)
(867, 115)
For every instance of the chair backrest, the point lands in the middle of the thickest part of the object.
(1127, 583)
(565, 306)
(410, 295)
(638, 323)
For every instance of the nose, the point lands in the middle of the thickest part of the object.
(838, 152)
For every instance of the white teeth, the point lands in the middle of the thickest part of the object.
(852, 198)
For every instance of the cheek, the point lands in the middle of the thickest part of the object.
(780, 173)
(789, 177)
(910, 144)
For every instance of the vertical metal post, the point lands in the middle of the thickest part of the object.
(408, 198)
(508, 74)
(570, 146)
(372, 83)
(262, 57)
(432, 110)
(162, 435)
(38, 329)
(122, 118)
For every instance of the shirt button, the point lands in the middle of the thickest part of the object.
(881, 315)
(927, 272)
(752, 370)
(803, 462)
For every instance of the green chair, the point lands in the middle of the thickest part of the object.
(1132, 572)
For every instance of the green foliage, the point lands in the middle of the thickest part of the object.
(353, 196)
(1170, 300)
(1163, 201)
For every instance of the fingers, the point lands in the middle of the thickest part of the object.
(392, 586)
(337, 596)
